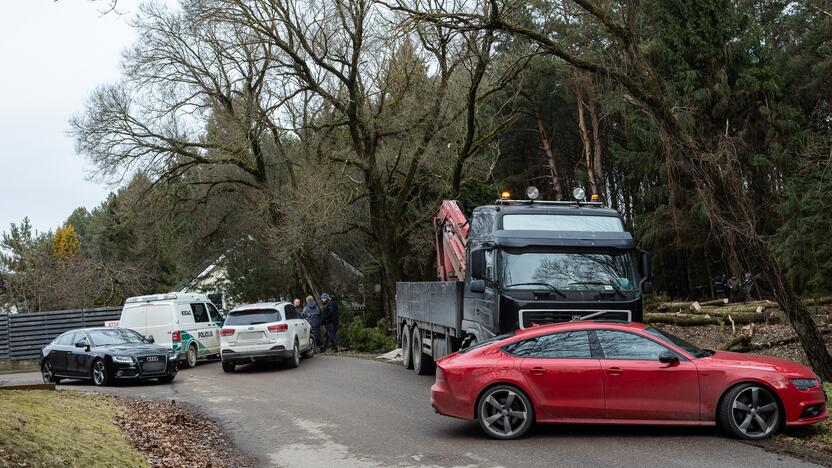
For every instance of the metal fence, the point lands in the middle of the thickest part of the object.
(23, 335)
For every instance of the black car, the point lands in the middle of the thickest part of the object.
(105, 355)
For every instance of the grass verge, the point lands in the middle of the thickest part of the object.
(62, 428)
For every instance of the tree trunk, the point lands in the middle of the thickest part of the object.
(550, 156)
(598, 168)
(590, 174)
(800, 319)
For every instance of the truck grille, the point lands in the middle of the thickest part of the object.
(542, 317)
(153, 364)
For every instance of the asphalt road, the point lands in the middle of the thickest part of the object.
(339, 411)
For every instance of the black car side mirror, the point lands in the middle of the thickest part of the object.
(667, 357)
(150, 339)
(80, 344)
(477, 286)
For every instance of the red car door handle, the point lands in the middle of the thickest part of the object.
(614, 371)
(537, 371)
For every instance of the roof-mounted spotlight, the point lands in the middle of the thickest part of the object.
(579, 194)
(532, 192)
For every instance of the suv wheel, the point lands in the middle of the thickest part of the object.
(310, 350)
(295, 361)
(750, 411)
(505, 412)
(228, 366)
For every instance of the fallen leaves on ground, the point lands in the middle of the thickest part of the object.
(171, 435)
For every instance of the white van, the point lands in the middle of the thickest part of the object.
(187, 323)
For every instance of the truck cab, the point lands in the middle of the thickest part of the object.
(516, 264)
(533, 262)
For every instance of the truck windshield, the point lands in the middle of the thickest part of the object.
(575, 270)
(550, 222)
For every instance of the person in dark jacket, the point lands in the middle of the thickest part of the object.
(312, 314)
(329, 318)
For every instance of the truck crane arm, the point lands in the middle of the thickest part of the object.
(451, 233)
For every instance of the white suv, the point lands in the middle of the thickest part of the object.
(267, 331)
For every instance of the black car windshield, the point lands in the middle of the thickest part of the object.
(568, 270)
(252, 317)
(691, 349)
(115, 336)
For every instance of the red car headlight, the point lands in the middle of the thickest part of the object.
(804, 384)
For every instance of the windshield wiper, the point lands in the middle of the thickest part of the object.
(603, 283)
(538, 284)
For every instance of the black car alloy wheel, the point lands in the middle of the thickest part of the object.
(46, 370)
(99, 373)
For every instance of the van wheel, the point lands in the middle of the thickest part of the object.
(190, 361)
(422, 363)
(228, 366)
(407, 355)
(310, 351)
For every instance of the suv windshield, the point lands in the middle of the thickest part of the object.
(115, 336)
(693, 350)
(252, 317)
(568, 270)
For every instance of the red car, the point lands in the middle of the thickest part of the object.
(621, 373)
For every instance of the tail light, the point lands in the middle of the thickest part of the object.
(175, 336)
(280, 327)
(226, 331)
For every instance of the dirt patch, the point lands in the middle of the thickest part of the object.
(172, 435)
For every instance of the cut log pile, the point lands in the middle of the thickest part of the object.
(721, 312)
(742, 315)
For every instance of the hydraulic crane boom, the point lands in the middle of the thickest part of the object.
(451, 233)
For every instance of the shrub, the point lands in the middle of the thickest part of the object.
(359, 337)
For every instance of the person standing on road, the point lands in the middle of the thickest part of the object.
(330, 318)
(312, 314)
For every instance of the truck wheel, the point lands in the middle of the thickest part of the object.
(407, 355)
(422, 363)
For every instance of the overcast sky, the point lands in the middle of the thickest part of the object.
(52, 55)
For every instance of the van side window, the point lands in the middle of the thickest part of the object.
(290, 312)
(214, 314)
(200, 313)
